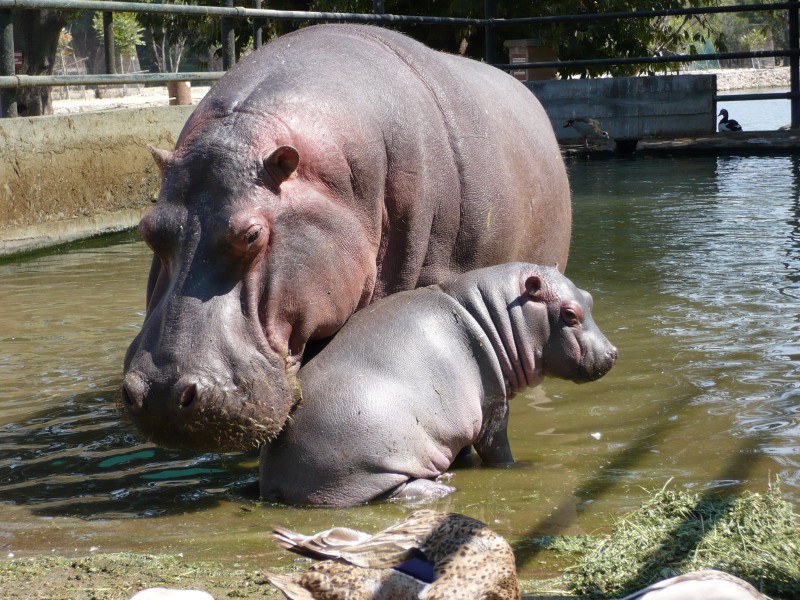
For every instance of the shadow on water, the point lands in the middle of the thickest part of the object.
(97, 242)
(81, 459)
(738, 470)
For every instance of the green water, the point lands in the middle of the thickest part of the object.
(694, 265)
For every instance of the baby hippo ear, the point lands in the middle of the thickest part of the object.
(534, 287)
(281, 163)
(162, 158)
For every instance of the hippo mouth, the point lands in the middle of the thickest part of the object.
(586, 367)
(206, 417)
(585, 375)
(592, 367)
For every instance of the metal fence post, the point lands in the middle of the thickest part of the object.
(228, 39)
(489, 9)
(108, 42)
(8, 97)
(794, 63)
(258, 28)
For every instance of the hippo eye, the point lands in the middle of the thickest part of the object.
(252, 234)
(572, 314)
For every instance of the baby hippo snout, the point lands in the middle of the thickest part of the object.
(597, 361)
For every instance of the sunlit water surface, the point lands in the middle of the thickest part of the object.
(694, 265)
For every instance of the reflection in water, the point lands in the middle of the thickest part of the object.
(694, 265)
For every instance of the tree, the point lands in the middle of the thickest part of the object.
(173, 35)
(574, 40)
(169, 35)
(751, 30)
(36, 35)
(127, 33)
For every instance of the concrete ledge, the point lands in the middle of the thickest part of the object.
(632, 107)
(53, 233)
(743, 143)
(71, 176)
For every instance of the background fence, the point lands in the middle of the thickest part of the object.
(10, 82)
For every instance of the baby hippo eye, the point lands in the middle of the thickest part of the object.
(572, 313)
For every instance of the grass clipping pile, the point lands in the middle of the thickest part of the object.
(753, 536)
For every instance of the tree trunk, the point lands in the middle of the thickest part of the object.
(36, 34)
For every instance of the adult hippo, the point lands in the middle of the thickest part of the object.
(415, 378)
(336, 165)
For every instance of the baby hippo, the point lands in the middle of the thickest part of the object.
(415, 378)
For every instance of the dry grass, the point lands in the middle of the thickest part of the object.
(753, 536)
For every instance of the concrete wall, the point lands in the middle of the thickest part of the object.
(67, 177)
(632, 107)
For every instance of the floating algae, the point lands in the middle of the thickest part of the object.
(753, 536)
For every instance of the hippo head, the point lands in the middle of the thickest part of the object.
(538, 323)
(574, 347)
(250, 262)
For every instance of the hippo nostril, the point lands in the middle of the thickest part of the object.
(189, 395)
(133, 393)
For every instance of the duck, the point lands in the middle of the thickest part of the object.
(726, 124)
(708, 584)
(587, 127)
(429, 555)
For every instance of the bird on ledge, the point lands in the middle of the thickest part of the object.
(587, 127)
(727, 124)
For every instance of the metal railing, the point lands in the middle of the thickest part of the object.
(10, 82)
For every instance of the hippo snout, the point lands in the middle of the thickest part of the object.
(579, 354)
(197, 411)
(187, 395)
(595, 364)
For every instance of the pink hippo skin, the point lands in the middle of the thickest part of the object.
(335, 166)
(412, 380)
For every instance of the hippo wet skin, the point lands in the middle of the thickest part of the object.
(413, 379)
(335, 166)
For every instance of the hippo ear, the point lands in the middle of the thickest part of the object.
(533, 286)
(163, 158)
(281, 163)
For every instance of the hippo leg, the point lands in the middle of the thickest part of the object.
(494, 447)
(421, 489)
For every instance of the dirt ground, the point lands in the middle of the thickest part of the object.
(120, 576)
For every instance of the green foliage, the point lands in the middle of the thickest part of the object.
(168, 35)
(172, 35)
(751, 30)
(574, 41)
(127, 32)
